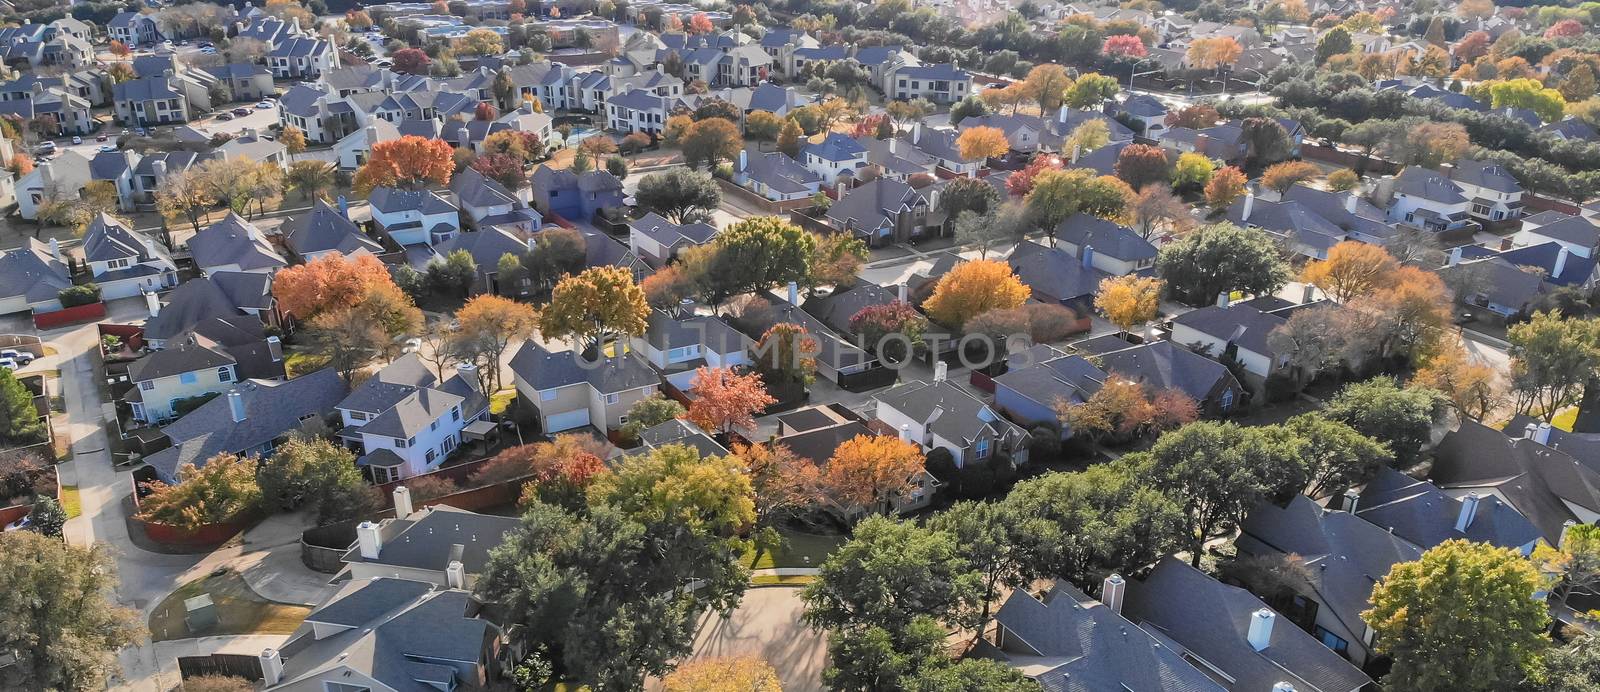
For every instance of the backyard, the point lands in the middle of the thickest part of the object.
(239, 610)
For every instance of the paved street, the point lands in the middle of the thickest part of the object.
(767, 624)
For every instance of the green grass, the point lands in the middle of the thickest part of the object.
(776, 580)
(796, 548)
(297, 363)
(239, 610)
(70, 502)
(501, 400)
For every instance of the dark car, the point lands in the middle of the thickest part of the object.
(241, 112)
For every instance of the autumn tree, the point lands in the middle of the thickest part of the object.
(312, 178)
(787, 354)
(723, 674)
(220, 489)
(292, 139)
(1090, 91)
(1045, 84)
(790, 137)
(868, 473)
(494, 323)
(410, 162)
(1528, 93)
(679, 194)
(1058, 195)
(1352, 269)
(1123, 410)
(726, 401)
(594, 306)
(972, 288)
(411, 61)
(1192, 171)
(1225, 186)
(1124, 46)
(1141, 164)
(1156, 208)
(1019, 183)
(1129, 301)
(329, 282)
(1282, 176)
(1472, 387)
(892, 330)
(1213, 53)
(711, 141)
(762, 125)
(1088, 136)
(982, 142)
(1196, 117)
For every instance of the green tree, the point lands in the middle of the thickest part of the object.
(311, 178)
(600, 303)
(456, 273)
(1572, 668)
(1576, 564)
(47, 517)
(968, 194)
(1059, 194)
(890, 573)
(1463, 617)
(1400, 419)
(1079, 525)
(710, 141)
(649, 412)
(762, 126)
(56, 615)
(1552, 358)
(966, 108)
(1333, 454)
(1335, 42)
(984, 531)
(679, 194)
(315, 474)
(761, 252)
(1266, 141)
(1221, 258)
(1090, 91)
(20, 424)
(1191, 172)
(1532, 94)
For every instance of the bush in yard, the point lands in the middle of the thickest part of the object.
(73, 296)
(942, 464)
(47, 516)
(635, 143)
(429, 487)
(221, 490)
(20, 474)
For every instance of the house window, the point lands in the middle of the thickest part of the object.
(1333, 641)
(431, 455)
(224, 375)
(117, 263)
(401, 443)
(1409, 216)
(1480, 209)
(434, 425)
(188, 378)
(1227, 399)
(982, 450)
(383, 475)
(455, 413)
(548, 395)
(357, 415)
(147, 385)
(611, 398)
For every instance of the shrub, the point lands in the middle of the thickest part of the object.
(73, 296)
(942, 464)
(223, 489)
(430, 487)
(182, 407)
(20, 473)
(47, 516)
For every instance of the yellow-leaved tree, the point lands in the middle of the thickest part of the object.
(1129, 301)
(973, 288)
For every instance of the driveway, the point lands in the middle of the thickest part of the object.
(767, 624)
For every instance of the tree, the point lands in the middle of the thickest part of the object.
(292, 139)
(836, 260)
(1220, 469)
(1225, 186)
(1528, 93)
(678, 193)
(410, 162)
(726, 401)
(495, 322)
(1334, 455)
(1129, 301)
(1212, 53)
(982, 142)
(789, 138)
(560, 470)
(1079, 526)
(1472, 46)
(786, 353)
(1282, 176)
(1123, 410)
(892, 330)
(456, 272)
(20, 165)
(972, 288)
(1573, 668)
(221, 489)
(501, 168)
(328, 282)
(711, 141)
(1565, 28)
(411, 61)
(867, 473)
(966, 108)
(1401, 419)
(762, 125)
(982, 231)
(480, 42)
(985, 532)
(1266, 142)
(1090, 91)
(1552, 358)
(182, 195)
(600, 303)
(1141, 164)
(887, 575)
(1196, 117)
(1335, 42)
(1155, 207)
(1463, 617)
(1352, 269)
(1343, 179)
(349, 338)
(1473, 388)
(1058, 195)
(967, 194)
(20, 423)
(312, 178)
(1579, 84)
(1088, 136)
(118, 48)
(1221, 258)
(1192, 171)
(1124, 46)
(47, 517)
(723, 674)
(314, 474)
(1046, 84)
(649, 412)
(59, 621)
(759, 253)
(1575, 564)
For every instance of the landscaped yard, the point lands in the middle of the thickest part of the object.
(297, 363)
(70, 502)
(796, 548)
(239, 610)
(499, 401)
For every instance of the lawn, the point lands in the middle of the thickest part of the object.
(239, 610)
(796, 548)
(70, 502)
(501, 400)
(776, 580)
(297, 363)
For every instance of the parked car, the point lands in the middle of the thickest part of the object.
(8, 364)
(263, 105)
(22, 357)
(108, 147)
(45, 148)
(224, 116)
(103, 137)
(241, 111)
(77, 140)
(139, 131)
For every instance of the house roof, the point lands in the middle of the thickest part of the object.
(1183, 607)
(271, 409)
(389, 199)
(669, 234)
(1428, 184)
(1164, 365)
(874, 205)
(192, 302)
(779, 171)
(544, 370)
(109, 239)
(1420, 512)
(1577, 230)
(1052, 273)
(433, 537)
(666, 331)
(836, 147)
(947, 410)
(486, 247)
(680, 432)
(234, 241)
(325, 229)
(837, 307)
(1241, 325)
(1485, 174)
(1106, 237)
(187, 355)
(1540, 482)
(1053, 377)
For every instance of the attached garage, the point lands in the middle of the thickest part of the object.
(566, 421)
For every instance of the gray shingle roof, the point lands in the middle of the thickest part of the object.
(1242, 325)
(430, 541)
(192, 302)
(1428, 184)
(1107, 238)
(1487, 174)
(188, 355)
(1420, 512)
(1163, 365)
(1540, 482)
(234, 241)
(271, 409)
(388, 199)
(324, 229)
(947, 410)
(545, 370)
(1052, 273)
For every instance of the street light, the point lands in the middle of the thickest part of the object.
(1133, 71)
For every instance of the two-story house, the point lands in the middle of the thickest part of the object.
(323, 231)
(414, 217)
(677, 343)
(243, 81)
(940, 83)
(125, 262)
(575, 196)
(941, 415)
(133, 29)
(1105, 245)
(488, 204)
(208, 361)
(885, 211)
(658, 241)
(1495, 193)
(234, 245)
(775, 176)
(566, 393)
(302, 58)
(1425, 198)
(836, 155)
(159, 99)
(1236, 332)
(404, 421)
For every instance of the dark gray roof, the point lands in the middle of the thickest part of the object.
(191, 303)
(545, 370)
(1572, 229)
(389, 385)
(414, 412)
(486, 247)
(1428, 184)
(778, 171)
(146, 89)
(680, 432)
(668, 331)
(324, 229)
(1488, 174)
(1069, 378)
(109, 239)
(188, 355)
(1241, 325)
(1069, 642)
(1210, 620)
(475, 190)
(375, 598)
(234, 241)
(670, 234)
(874, 205)
(1106, 237)
(1163, 365)
(947, 410)
(271, 410)
(1420, 512)
(1538, 481)
(247, 290)
(388, 199)
(835, 309)
(441, 534)
(110, 165)
(1052, 273)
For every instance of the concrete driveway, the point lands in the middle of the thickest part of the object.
(767, 624)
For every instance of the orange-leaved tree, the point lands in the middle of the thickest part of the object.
(788, 354)
(1213, 53)
(1225, 186)
(726, 401)
(600, 303)
(982, 142)
(1352, 269)
(327, 283)
(410, 162)
(1129, 301)
(868, 471)
(973, 288)
(491, 323)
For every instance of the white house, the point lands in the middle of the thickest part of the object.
(941, 415)
(1425, 198)
(414, 217)
(124, 262)
(835, 155)
(1237, 332)
(1495, 194)
(406, 422)
(678, 344)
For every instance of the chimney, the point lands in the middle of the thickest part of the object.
(1061, 114)
(941, 370)
(916, 132)
(1455, 257)
(1223, 299)
(153, 302)
(1469, 508)
(368, 540)
(55, 249)
(159, 168)
(46, 178)
(372, 137)
(344, 207)
(905, 432)
(1077, 151)
(271, 667)
(1351, 499)
(236, 405)
(402, 502)
(294, 25)
(1350, 202)
(744, 159)
(1561, 262)
(455, 575)
(1088, 256)
(469, 373)
(1541, 434)
(1530, 431)
(891, 145)
(1308, 293)
(1249, 203)
(903, 292)
(275, 348)
(794, 294)
(1111, 592)
(1260, 636)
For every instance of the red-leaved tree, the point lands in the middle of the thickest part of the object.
(726, 401)
(1124, 45)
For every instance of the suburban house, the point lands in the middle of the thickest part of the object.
(1147, 111)
(575, 195)
(1495, 193)
(1341, 553)
(302, 58)
(489, 204)
(942, 415)
(323, 231)
(125, 262)
(658, 241)
(836, 155)
(438, 544)
(1425, 198)
(32, 277)
(170, 381)
(251, 418)
(232, 296)
(1543, 483)
(836, 307)
(116, 169)
(1107, 246)
(405, 422)
(565, 393)
(1235, 332)
(1166, 365)
(62, 178)
(815, 433)
(234, 245)
(1065, 640)
(775, 176)
(133, 29)
(1420, 512)
(940, 83)
(160, 99)
(1578, 234)
(486, 248)
(886, 211)
(1057, 277)
(1231, 635)
(1041, 378)
(838, 359)
(676, 344)
(414, 217)
(897, 158)
(243, 81)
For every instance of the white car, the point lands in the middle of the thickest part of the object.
(263, 105)
(77, 140)
(8, 364)
(22, 357)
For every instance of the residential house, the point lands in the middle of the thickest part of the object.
(835, 156)
(940, 143)
(897, 158)
(884, 211)
(244, 81)
(232, 296)
(1230, 634)
(1166, 365)
(566, 392)
(133, 29)
(1069, 642)
(253, 147)
(1541, 482)
(486, 248)
(252, 418)
(32, 277)
(1039, 379)
(814, 433)
(160, 99)
(1420, 512)
(1105, 246)
(576, 196)
(658, 241)
(835, 307)
(678, 343)
(1232, 332)
(1342, 555)
(60, 179)
(488, 204)
(1578, 234)
(323, 231)
(677, 432)
(942, 415)
(234, 245)
(413, 217)
(1146, 110)
(152, 169)
(941, 83)
(302, 58)
(354, 148)
(838, 359)
(61, 105)
(321, 114)
(438, 544)
(775, 176)
(125, 262)
(1425, 198)
(1024, 133)
(1057, 277)
(208, 361)
(404, 421)
(638, 110)
(1495, 193)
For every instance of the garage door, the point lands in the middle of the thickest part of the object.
(566, 421)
